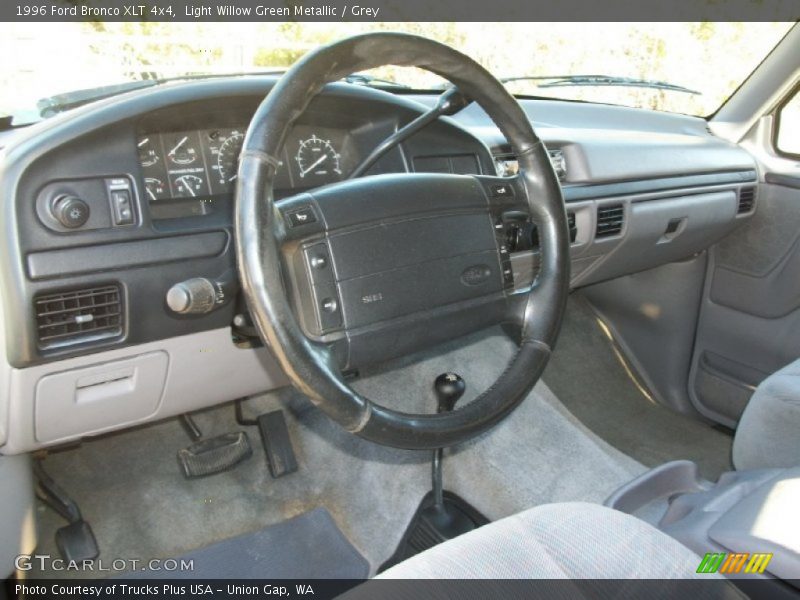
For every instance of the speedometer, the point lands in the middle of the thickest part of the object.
(317, 157)
(228, 157)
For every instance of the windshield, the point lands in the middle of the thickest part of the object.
(688, 68)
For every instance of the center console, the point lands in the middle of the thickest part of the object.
(744, 527)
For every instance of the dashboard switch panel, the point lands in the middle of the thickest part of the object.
(121, 196)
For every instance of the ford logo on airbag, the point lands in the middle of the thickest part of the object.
(476, 275)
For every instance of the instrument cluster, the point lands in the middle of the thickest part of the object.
(201, 165)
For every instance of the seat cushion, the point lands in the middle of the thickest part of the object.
(768, 435)
(572, 540)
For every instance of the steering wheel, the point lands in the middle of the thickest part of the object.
(353, 233)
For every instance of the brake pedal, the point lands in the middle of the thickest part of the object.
(277, 443)
(214, 455)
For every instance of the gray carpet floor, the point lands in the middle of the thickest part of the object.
(590, 380)
(130, 488)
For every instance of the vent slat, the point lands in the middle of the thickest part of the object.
(747, 200)
(98, 305)
(610, 219)
(78, 316)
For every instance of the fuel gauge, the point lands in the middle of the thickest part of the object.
(189, 186)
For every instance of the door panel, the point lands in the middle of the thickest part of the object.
(749, 322)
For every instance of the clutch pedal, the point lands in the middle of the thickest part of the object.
(212, 455)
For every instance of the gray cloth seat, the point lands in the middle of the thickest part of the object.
(768, 434)
(572, 540)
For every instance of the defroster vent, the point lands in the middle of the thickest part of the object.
(610, 219)
(78, 316)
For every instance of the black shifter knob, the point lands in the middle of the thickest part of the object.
(449, 388)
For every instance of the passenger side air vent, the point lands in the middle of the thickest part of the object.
(78, 316)
(610, 219)
(747, 200)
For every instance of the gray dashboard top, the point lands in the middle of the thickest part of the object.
(609, 144)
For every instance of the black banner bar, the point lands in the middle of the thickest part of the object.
(397, 10)
(709, 587)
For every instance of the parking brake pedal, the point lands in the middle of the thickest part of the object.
(212, 455)
(277, 443)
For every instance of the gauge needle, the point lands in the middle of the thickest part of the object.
(143, 142)
(189, 188)
(178, 145)
(150, 193)
(317, 163)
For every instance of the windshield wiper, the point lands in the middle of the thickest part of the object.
(551, 81)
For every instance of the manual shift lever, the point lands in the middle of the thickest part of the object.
(449, 388)
(441, 515)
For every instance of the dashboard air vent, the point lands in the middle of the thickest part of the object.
(559, 163)
(573, 226)
(507, 165)
(609, 219)
(78, 316)
(747, 200)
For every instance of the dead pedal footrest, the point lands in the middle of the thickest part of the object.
(214, 455)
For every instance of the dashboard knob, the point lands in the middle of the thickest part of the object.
(70, 211)
(193, 296)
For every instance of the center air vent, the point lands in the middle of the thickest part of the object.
(78, 316)
(559, 163)
(508, 166)
(610, 219)
(747, 200)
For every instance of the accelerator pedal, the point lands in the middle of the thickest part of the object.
(212, 455)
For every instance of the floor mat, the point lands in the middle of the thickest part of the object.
(309, 546)
(591, 381)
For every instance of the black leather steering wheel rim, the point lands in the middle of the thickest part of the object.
(258, 226)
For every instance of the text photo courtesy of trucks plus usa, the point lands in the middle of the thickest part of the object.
(309, 299)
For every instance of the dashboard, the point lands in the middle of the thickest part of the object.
(115, 212)
(122, 203)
